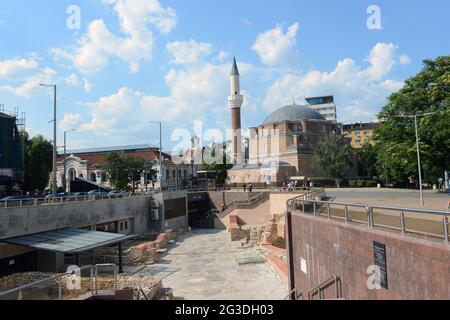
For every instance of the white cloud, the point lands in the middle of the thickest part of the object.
(87, 85)
(191, 51)
(72, 80)
(404, 59)
(99, 44)
(24, 76)
(194, 92)
(71, 121)
(223, 55)
(381, 59)
(276, 47)
(17, 68)
(359, 92)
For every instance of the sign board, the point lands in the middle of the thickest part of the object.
(303, 266)
(379, 252)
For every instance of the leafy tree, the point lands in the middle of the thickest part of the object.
(334, 157)
(428, 91)
(367, 157)
(38, 163)
(221, 169)
(124, 170)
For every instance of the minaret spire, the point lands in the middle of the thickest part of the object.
(234, 69)
(235, 101)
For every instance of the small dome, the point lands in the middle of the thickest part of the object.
(293, 113)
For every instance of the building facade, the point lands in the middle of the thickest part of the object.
(281, 148)
(11, 153)
(86, 164)
(360, 133)
(325, 106)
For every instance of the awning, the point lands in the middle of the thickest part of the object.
(68, 240)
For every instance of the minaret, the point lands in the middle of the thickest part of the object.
(235, 101)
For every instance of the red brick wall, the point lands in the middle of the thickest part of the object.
(416, 268)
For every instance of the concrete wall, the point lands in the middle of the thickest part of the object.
(28, 220)
(416, 268)
(175, 223)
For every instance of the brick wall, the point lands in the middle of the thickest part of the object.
(416, 268)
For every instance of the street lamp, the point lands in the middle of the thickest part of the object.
(65, 157)
(160, 154)
(54, 136)
(418, 114)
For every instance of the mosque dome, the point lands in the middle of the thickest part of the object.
(293, 112)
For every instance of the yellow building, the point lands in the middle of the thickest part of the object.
(360, 133)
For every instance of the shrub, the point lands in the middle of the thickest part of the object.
(352, 183)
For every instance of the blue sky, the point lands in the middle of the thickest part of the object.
(135, 61)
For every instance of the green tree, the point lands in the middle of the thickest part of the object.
(333, 156)
(38, 163)
(428, 91)
(124, 170)
(221, 169)
(367, 157)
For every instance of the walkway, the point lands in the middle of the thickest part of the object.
(203, 265)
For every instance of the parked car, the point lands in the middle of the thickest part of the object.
(115, 194)
(14, 201)
(95, 194)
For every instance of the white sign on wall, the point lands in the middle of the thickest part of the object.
(303, 266)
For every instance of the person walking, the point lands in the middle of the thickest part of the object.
(250, 187)
(245, 187)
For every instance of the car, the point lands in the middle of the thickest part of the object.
(96, 194)
(115, 194)
(15, 201)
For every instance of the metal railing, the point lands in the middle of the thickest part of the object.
(252, 201)
(53, 288)
(320, 289)
(50, 288)
(298, 296)
(68, 199)
(320, 208)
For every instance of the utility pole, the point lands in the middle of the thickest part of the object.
(54, 189)
(160, 154)
(418, 114)
(65, 159)
(418, 161)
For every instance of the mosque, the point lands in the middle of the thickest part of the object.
(281, 148)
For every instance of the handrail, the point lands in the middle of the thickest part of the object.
(34, 202)
(252, 200)
(320, 289)
(297, 204)
(19, 290)
(297, 296)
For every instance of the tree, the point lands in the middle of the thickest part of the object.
(334, 157)
(124, 170)
(428, 91)
(221, 169)
(367, 157)
(38, 163)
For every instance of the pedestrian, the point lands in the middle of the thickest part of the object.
(411, 182)
(245, 187)
(441, 184)
(250, 188)
(283, 187)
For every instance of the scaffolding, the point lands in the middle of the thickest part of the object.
(12, 148)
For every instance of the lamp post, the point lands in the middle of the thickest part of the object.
(54, 137)
(65, 157)
(418, 114)
(160, 154)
